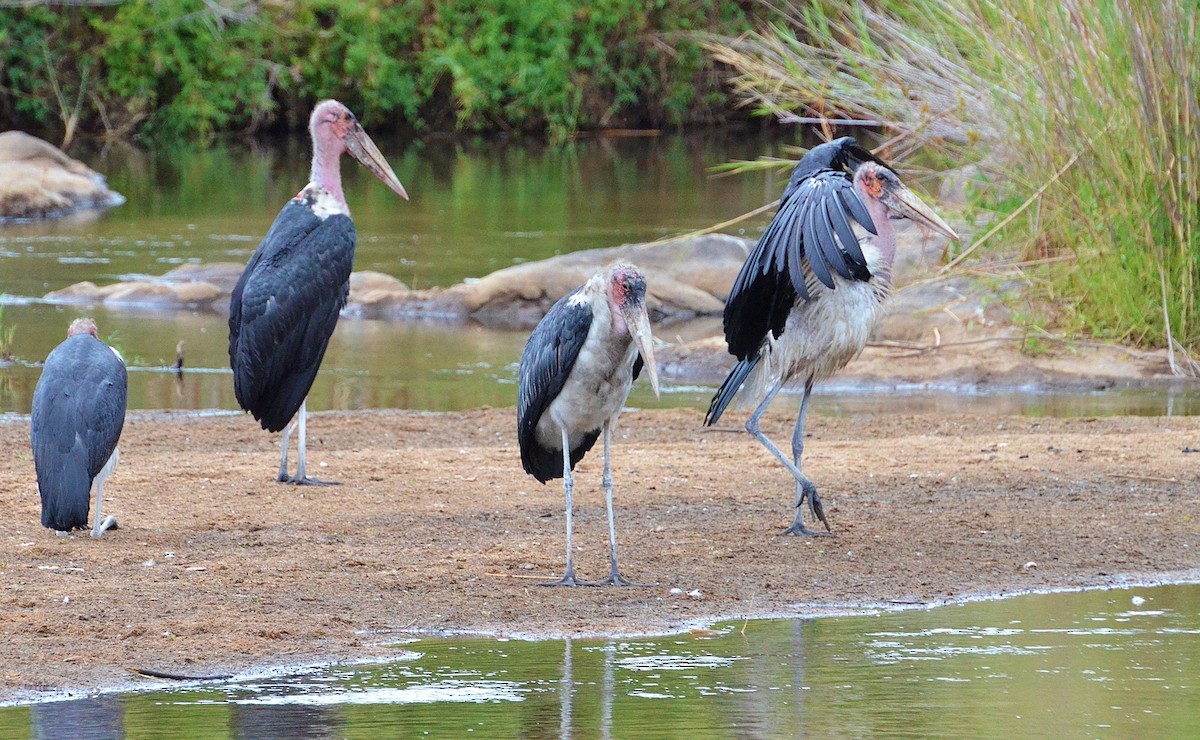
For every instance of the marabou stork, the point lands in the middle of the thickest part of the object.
(78, 414)
(575, 375)
(808, 296)
(286, 303)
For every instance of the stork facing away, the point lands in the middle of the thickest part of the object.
(813, 288)
(286, 304)
(78, 414)
(575, 374)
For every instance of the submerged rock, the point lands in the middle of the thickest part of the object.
(685, 278)
(37, 180)
(205, 287)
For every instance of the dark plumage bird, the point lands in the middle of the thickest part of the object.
(286, 303)
(78, 414)
(808, 296)
(575, 375)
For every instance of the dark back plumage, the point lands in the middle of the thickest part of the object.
(78, 414)
(811, 227)
(284, 309)
(546, 363)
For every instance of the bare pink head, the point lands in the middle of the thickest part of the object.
(83, 326)
(886, 197)
(626, 290)
(335, 130)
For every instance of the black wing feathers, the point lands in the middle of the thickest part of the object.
(733, 383)
(811, 232)
(546, 363)
(76, 422)
(284, 309)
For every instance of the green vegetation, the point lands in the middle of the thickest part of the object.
(182, 68)
(1082, 119)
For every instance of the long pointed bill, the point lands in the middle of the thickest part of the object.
(360, 146)
(923, 214)
(638, 322)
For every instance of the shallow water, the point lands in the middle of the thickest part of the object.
(474, 209)
(1119, 663)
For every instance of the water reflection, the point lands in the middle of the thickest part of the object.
(475, 208)
(1074, 664)
(284, 722)
(98, 718)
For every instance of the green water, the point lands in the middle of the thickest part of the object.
(1115, 663)
(474, 209)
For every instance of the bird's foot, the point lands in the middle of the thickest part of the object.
(808, 492)
(800, 530)
(304, 480)
(61, 533)
(568, 579)
(616, 579)
(110, 522)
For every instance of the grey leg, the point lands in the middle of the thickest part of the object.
(802, 481)
(102, 523)
(614, 575)
(568, 578)
(283, 476)
(300, 478)
(803, 491)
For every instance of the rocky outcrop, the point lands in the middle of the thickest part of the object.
(203, 287)
(685, 278)
(38, 181)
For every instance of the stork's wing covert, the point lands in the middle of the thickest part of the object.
(284, 309)
(546, 363)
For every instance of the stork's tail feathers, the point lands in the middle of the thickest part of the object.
(729, 388)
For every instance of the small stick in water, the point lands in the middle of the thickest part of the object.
(151, 673)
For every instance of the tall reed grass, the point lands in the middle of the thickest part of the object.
(1086, 108)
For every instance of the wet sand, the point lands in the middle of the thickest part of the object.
(217, 569)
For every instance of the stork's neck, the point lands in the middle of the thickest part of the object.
(619, 328)
(326, 168)
(884, 240)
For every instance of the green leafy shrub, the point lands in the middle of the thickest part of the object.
(175, 68)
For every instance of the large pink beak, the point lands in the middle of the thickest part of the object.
(360, 146)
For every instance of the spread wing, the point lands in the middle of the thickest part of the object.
(812, 229)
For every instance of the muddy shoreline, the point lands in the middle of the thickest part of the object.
(217, 569)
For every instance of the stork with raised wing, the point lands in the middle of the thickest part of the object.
(812, 290)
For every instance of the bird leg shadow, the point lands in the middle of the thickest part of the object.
(304, 480)
(616, 579)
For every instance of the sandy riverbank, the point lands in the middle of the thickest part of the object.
(216, 568)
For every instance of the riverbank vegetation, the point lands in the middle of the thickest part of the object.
(1080, 120)
(165, 69)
